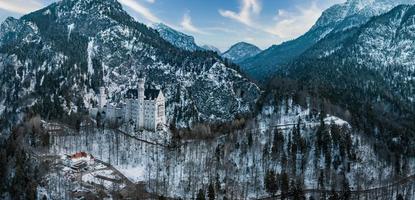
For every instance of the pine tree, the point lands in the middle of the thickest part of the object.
(346, 193)
(200, 195)
(270, 182)
(284, 185)
(334, 196)
(277, 143)
(399, 197)
(297, 191)
(211, 192)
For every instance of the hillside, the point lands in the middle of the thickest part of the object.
(55, 59)
(367, 73)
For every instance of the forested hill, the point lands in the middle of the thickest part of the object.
(365, 74)
(54, 60)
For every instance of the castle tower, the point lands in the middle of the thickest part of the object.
(140, 91)
(102, 98)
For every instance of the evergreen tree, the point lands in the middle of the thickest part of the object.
(334, 196)
(200, 195)
(217, 183)
(297, 191)
(277, 143)
(399, 197)
(270, 182)
(284, 185)
(346, 193)
(211, 192)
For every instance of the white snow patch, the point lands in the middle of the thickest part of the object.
(336, 120)
(70, 28)
(90, 54)
(135, 174)
(47, 12)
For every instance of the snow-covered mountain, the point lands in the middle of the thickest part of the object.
(211, 48)
(241, 51)
(368, 71)
(176, 38)
(337, 18)
(54, 60)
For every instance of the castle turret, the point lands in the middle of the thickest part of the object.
(140, 91)
(102, 98)
(140, 88)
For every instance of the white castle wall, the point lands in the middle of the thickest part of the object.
(145, 114)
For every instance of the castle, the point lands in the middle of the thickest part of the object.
(143, 108)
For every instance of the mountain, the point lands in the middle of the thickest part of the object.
(176, 38)
(241, 51)
(368, 72)
(55, 59)
(337, 18)
(211, 48)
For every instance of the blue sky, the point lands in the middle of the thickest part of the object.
(220, 23)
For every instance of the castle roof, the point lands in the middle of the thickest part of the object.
(149, 94)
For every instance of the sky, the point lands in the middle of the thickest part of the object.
(220, 23)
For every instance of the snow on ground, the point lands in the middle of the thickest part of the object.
(181, 172)
(134, 174)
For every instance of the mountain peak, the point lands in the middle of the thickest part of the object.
(241, 51)
(211, 48)
(176, 38)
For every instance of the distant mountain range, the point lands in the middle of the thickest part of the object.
(241, 51)
(236, 53)
(352, 13)
(55, 59)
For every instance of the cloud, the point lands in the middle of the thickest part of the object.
(20, 6)
(143, 11)
(151, 1)
(187, 25)
(291, 24)
(248, 9)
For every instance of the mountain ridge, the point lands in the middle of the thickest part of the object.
(338, 17)
(178, 39)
